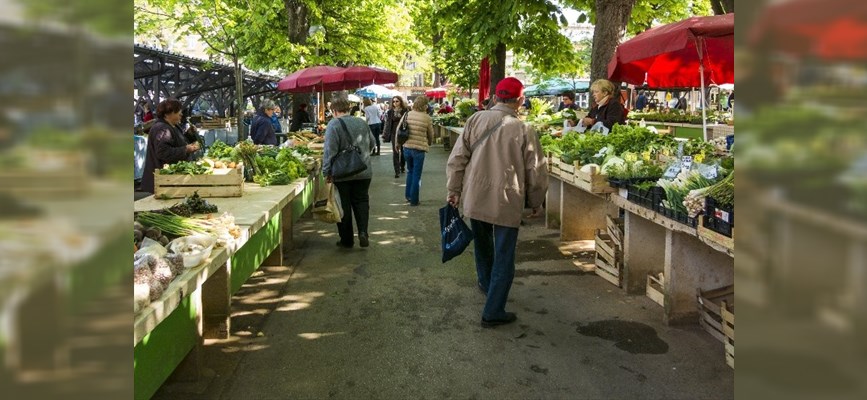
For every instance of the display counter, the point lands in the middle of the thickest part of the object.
(170, 331)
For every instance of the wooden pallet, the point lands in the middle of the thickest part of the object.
(593, 182)
(728, 325)
(655, 290)
(609, 259)
(567, 171)
(224, 182)
(710, 304)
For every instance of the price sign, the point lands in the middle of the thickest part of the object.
(672, 171)
(710, 173)
(686, 163)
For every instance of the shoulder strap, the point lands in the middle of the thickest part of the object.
(345, 129)
(488, 133)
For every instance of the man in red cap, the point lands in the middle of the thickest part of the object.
(495, 162)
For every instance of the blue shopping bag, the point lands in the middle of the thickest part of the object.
(456, 235)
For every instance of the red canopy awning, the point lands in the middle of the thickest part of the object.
(359, 76)
(436, 93)
(670, 55)
(484, 80)
(309, 80)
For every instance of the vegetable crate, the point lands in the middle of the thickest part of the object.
(703, 230)
(650, 198)
(614, 227)
(593, 181)
(678, 216)
(609, 258)
(655, 289)
(223, 182)
(719, 218)
(711, 305)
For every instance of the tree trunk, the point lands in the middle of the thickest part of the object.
(498, 67)
(239, 99)
(299, 26)
(612, 16)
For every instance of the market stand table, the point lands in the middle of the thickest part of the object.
(170, 331)
(652, 243)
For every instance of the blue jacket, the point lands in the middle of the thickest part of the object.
(275, 122)
(261, 130)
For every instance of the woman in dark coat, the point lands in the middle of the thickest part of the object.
(389, 132)
(166, 143)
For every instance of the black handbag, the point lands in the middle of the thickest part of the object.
(403, 129)
(347, 162)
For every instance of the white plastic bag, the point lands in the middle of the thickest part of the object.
(327, 207)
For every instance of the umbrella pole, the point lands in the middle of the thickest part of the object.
(703, 108)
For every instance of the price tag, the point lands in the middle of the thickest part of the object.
(672, 171)
(710, 173)
(686, 162)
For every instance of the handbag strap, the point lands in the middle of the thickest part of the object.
(351, 147)
(402, 119)
(488, 133)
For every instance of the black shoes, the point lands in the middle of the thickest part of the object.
(344, 246)
(510, 317)
(363, 240)
(396, 176)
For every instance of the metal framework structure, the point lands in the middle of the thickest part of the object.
(189, 79)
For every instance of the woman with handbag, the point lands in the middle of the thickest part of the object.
(389, 132)
(416, 146)
(346, 164)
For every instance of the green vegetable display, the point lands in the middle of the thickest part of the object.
(200, 167)
(221, 151)
(723, 191)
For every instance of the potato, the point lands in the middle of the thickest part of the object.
(219, 164)
(232, 164)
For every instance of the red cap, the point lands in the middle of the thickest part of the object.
(510, 88)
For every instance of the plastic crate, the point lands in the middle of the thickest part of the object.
(718, 218)
(650, 198)
(678, 216)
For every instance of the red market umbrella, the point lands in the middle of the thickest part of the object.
(682, 54)
(484, 80)
(359, 76)
(437, 93)
(813, 27)
(309, 80)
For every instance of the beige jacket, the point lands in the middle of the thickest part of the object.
(493, 179)
(420, 131)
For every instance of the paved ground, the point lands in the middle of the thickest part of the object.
(393, 322)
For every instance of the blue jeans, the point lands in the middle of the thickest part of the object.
(414, 164)
(495, 264)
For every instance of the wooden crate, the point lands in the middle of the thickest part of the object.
(567, 171)
(591, 182)
(554, 166)
(710, 304)
(728, 325)
(655, 290)
(224, 182)
(614, 226)
(608, 258)
(57, 173)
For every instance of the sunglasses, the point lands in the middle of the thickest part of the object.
(395, 101)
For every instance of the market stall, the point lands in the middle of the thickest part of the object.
(195, 252)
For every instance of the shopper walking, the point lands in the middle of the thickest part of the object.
(493, 164)
(374, 120)
(342, 132)
(414, 150)
(392, 117)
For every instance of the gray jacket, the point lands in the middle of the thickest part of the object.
(336, 139)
